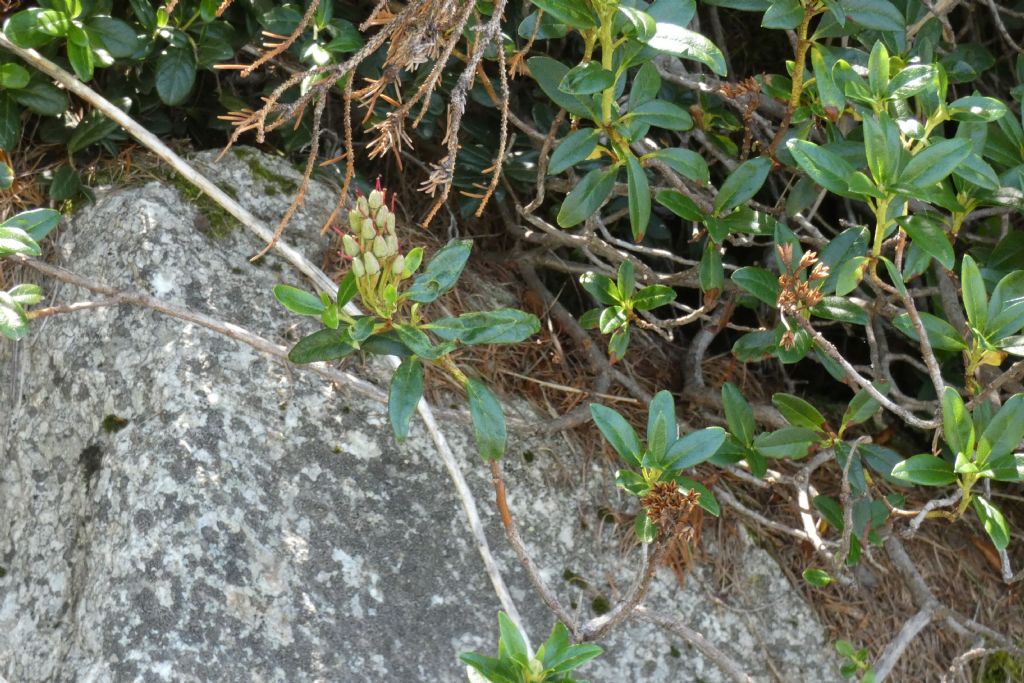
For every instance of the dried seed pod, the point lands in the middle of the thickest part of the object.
(350, 246)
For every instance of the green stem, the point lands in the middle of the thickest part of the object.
(607, 62)
(881, 222)
(802, 46)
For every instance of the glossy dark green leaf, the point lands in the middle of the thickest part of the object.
(90, 130)
(910, 81)
(653, 296)
(117, 36)
(685, 162)
(13, 321)
(880, 15)
(819, 578)
(575, 148)
(66, 183)
(993, 521)
(783, 14)
(677, 40)
(35, 27)
(602, 288)
(13, 76)
(488, 420)
(826, 168)
(662, 430)
(661, 114)
(789, 442)
(36, 222)
(934, 163)
(976, 108)
(863, 407)
(575, 13)
(957, 426)
(928, 231)
(587, 197)
(799, 412)
(694, 448)
(1004, 432)
(974, 295)
(618, 343)
(840, 309)
(42, 98)
(322, 345)
(940, 333)
(738, 414)
(501, 326)
(925, 469)
(611, 319)
(1006, 307)
(298, 300)
(742, 184)
(617, 431)
(14, 240)
(882, 147)
(639, 197)
(175, 75)
(712, 273)
(586, 79)
(760, 282)
(404, 395)
(441, 273)
(679, 204)
(6, 176)
(549, 73)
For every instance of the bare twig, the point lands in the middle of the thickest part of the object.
(895, 649)
(706, 647)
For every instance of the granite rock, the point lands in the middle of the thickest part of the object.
(175, 506)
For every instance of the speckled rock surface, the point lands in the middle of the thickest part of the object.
(176, 507)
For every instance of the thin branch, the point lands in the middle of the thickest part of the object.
(895, 649)
(706, 647)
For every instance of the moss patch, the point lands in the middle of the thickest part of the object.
(114, 423)
(273, 184)
(215, 221)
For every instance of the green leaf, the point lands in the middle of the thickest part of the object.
(13, 76)
(13, 321)
(26, 294)
(587, 197)
(742, 184)
(602, 288)
(488, 420)
(617, 431)
(575, 13)
(738, 414)
(826, 168)
(882, 147)
(618, 343)
(322, 345)
(501, 326)
(928, 231)
(957, 425)
(639, 197)
(712, 274)
(14, 240)
(175, 75)
(910, 81)
(1004, 432)
(586, 79)
(653, 296)
(639, 25)
(66, 183)
(935, 162)
(799, 412)
(6, 176)
(347, 289)
(298, 300)
(80, 56)
(974, 294)
(679, 204)
(625, 280)
(925, 469)
(993, 521)
(662, 114)
(35, 27)
(661, 428)
(646, 85)
(549, 73)
(977, 171)
(783, 14)
(685, 162)
(682, 42)
(119, 38)
(878, 70)
(940, 333)
(879, 15)
(569, 657)
(819, 578)
(441, 273)
(575, 148)
(976, 108)
(42, 98)
(843, 310)
(37, 222)
(694, 448)
(788, 442)
(90, 130)
(419, 343)
(645, 529)
(862, 407)
(831, 95)
(760, 282)
(1006, 307)
(404, 395)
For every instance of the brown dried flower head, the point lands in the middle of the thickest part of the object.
(795, 293)
(669, 508)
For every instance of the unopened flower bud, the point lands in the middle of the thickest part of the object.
(357, 267)
(381, 217)
(371, 264)
(354, 219)
(398, 266)
(367, 231)
(362, 206)
(380, 247)
(350, 246)
(391, 223)
(376, 200)
(392, 244)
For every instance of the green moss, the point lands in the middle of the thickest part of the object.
(216, 222)
(273, 184)
(114, 423)
(674, 651)
(600, 605)
(1000, 667)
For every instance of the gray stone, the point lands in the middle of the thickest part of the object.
(175, 506)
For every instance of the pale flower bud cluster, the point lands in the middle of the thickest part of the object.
(372, 244)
